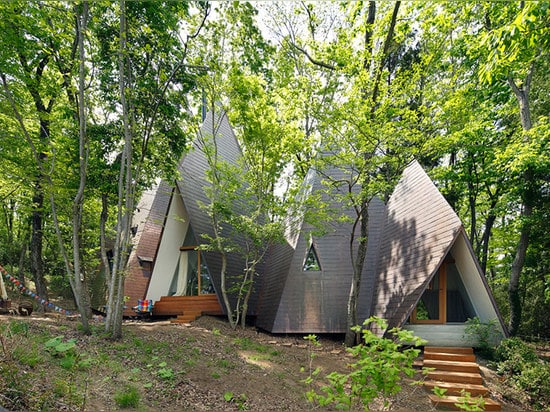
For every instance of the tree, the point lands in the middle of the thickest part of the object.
(489, 61)
(151, 92)
(369, 128)
(510, 43)
(246, 214)
(519, 46)
(55, 57)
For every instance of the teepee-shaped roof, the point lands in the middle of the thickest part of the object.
(420, 230)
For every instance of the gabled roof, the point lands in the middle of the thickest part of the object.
(294, 300)
(193, 188)
(420, 229)
(409, 238)
(150, 219)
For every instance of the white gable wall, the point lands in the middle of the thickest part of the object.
(454, 334)
(168, 254)
(472, 278)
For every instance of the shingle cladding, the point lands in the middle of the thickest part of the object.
(137, 280)
(420, 229)
(407, 241)
(193, 185)
(298, 301)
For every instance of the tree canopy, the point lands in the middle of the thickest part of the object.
(99, 100)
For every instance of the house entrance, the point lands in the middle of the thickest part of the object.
(191, 277)
(445, 300)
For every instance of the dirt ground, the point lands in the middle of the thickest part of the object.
(262, 372)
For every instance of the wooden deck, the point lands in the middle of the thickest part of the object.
(455, 370)
(186, 309)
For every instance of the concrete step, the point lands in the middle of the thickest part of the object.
(449, 402)
(456, 377)
(455, 366)
(454, 388)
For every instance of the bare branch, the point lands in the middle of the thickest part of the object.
(312, 60)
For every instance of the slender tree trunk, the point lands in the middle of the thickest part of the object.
(80, 285)
(223, 276)
(514, 294)
(37, 235)
(103, 237)
(115, 303)
(489, 223)
(22, 256)
(358, 263)
(514, 298)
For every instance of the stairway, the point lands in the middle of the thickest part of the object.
(454, 369)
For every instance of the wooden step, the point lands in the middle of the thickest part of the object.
(166, 309)
(449, 356)
(179, 305)
(457, 377)
(187, 317)
(449, 349)
(444, 365)
(448, 402)
(454, 388)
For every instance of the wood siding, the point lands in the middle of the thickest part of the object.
(193, 184)
(298, 301)
(180, 305)
(419, 231)
(146, 245)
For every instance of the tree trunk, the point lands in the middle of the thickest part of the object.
(489, 222)
(358, 263)
(514, 298)
(514, 295)
(80, 285)
(37, 233)
(113, 323)
(22, 256)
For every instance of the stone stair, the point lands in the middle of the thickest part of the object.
(455, 370)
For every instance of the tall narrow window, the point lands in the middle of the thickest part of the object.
(191, 276)
(312, 260)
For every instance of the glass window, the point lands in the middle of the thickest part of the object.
(311, 262)
(191, 277)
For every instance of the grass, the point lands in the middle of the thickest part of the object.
(131, 370)
(128, 397)
(152, 368)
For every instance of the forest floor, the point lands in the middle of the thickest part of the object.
(162, 366)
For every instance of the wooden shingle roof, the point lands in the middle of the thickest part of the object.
(150, 227)
(420, 229)
(193, 186)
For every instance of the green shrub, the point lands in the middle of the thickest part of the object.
(535, 379)
(512, 355)
(379, 366)
(520, 363)
(485, 335)
(129, 397)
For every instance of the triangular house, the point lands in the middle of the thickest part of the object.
(181, 280)
(420, 273)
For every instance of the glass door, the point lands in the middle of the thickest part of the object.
(432, 306)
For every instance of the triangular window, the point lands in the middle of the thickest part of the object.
(312, 260)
